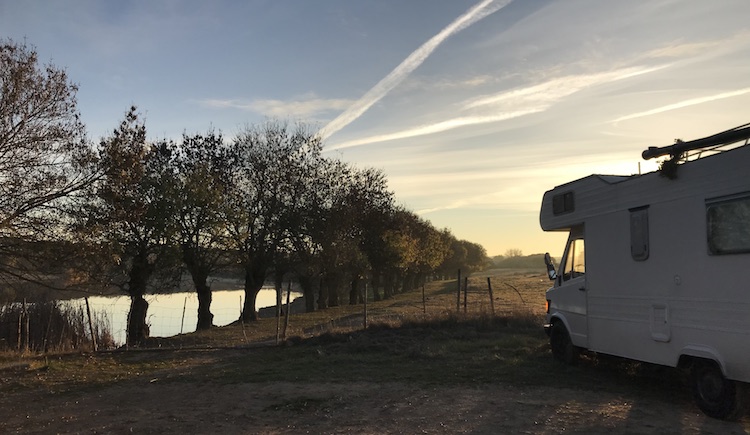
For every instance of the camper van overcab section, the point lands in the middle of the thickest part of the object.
(655, 268)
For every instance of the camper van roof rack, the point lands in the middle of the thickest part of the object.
(731, 136)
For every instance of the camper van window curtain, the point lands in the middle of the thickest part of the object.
(728, 224)
(639, 246)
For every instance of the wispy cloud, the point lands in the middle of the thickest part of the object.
(411, 63)
(702, 49)
(439, 127)
(684, 103)
(509, 104)
(556, 89)
(305, 107)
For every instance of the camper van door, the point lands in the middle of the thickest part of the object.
(570, 293)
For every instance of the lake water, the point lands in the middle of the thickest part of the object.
(175, 313)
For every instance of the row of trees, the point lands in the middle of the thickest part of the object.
(135, 214)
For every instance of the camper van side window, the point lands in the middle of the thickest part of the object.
(728, 226)
(563, 203)
(575, 260)
(639, 233)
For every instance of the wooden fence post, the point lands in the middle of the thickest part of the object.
(466, 292)
(278, 313)
(492, 298)
(424, 302)
(458, 292)
(184, 305)
(26, 327)
(21, 316)
(91, 324)
(364, 315)
(288, 309)
(242, 319)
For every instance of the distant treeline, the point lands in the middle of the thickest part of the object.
(533, 261)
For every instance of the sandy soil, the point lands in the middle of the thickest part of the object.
(166, 405)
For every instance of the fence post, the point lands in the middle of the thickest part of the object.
(278, 312)
(242, 320)
(26, 327)
(492, 298)
(91, 324)
(184, 305)
(21, 315)
(458, 292)
(364, 315)
(466, 292)
(424, 302)
(288, 308)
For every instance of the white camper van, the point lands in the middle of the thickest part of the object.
(657, 267)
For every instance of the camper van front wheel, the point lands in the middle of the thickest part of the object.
(717, 396)
(562, 347)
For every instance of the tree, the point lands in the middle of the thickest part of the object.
(433, 250)
(476, 258)
(127, 222)
(365, 200)
(344, 196)
(467, 256)
(271, 166)
(44, 158)
(513, 252)
(199, 168)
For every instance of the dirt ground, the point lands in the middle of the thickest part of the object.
(184, 399)
(152, 404)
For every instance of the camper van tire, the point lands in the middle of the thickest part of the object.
(563, 349)
(717, 396)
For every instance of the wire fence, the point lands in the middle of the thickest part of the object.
(104, 319)
(36, 327)
(177, 313)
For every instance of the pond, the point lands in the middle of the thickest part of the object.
(176, 313)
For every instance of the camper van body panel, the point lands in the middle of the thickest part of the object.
(654, 291)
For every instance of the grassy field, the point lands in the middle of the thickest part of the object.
(416, 361)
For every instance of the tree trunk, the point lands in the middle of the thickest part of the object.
(138, 276)
(334, 285)
(308, 291)
(205, 318)
(255, 276)
(409, 282)
(278, 285)
(388, 286)
(354, 294)
(138, 330)
(323, 295)
(376, 286)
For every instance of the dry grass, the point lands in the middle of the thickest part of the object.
(431, 328)
(332, 374)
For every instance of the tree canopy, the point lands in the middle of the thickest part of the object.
(44, 157)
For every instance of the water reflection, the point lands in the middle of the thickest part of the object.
(172, 314)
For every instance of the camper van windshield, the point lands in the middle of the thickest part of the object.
(575, 260)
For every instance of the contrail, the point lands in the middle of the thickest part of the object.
(411, 63)
(685, 103)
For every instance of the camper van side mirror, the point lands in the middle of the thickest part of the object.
(551, 273)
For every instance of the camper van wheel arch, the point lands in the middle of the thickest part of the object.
(562, 347)
(717, 396)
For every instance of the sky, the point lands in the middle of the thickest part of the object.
(472, 108)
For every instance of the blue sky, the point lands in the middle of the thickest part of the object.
(472, 108)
